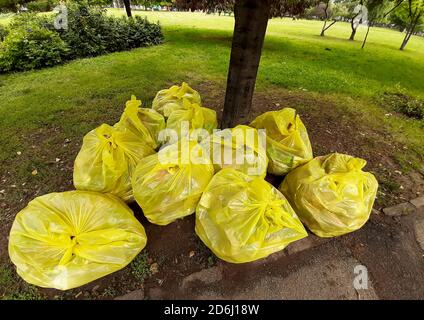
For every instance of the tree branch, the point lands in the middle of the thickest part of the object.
(392, 9)
(334, 21)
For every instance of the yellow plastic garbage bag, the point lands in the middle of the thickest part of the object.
(240, 148)
(65, 240)
(331, 194)
(168, 185)
(107, 159)
(169, 100)
(242, 219)
(192, 116)
(287, 143)
(144, 122)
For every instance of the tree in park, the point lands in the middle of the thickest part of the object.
(326, 9)
(378, 10)
(335, 10)
(251, 20)
(410, 18)
(358, 15)
(127, 5)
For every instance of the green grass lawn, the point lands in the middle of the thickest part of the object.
(197, 48)
(44, 114)
(5, 18)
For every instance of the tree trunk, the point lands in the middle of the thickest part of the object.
(323, 28)
(128, 7)
(251, 20)
(409, 32)
(325, 18)
(352, 35)
(366, 36)
(405, 40)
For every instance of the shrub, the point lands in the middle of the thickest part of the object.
(86, 31)
(125, 34)
(3, 32)
(403, 103)
(90, 32)
(31, 47)
(40, 5)
(28, 20)
(33, 42)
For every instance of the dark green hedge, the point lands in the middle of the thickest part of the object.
(32, 42)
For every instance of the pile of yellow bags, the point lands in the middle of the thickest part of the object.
(287, 141)
(146, 123)
(331, 194)
(170, 100)
(168, 184)
(242, 219)
(107, 159)
(64, 240)
(238, 148)
(182, 103)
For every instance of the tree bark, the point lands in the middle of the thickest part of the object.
(323, 28)
(366, 36)
(409, 32)
(405, 40)
(251, 20)
(127, 5)
(325, 18)
(327, 27)
(352, 25)
(352, 35)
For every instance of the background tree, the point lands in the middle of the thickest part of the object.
(127, 5)
(378, 10)
(356, 18)
(409, 17)
(326, 10)
(251, 20)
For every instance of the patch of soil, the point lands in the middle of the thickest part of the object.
(393, 257)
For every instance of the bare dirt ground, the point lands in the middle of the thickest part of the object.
(386, 245)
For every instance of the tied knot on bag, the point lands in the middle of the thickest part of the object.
(106, 135)
(183, 91)
(197, 118)
(133, 103)
(356, 164)
(69, 251)
(287, 127)
(111, 140)
(273, 214)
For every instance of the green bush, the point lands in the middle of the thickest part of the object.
(90, 32)
(3, 32)
(41, 5)
(30, 20)
(400, 102)
(33, 42)
(32, 47)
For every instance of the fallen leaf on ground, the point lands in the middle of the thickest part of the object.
(154, 268)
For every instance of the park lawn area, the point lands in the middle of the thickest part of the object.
(5, 18)
(334, 84)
